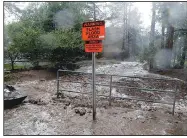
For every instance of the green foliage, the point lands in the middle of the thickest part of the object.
(12, 53)
(25, 41)
(68, 38)
(66, 54)
(36, 36)
(64, 45)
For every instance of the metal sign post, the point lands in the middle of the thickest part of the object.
(93, 76)
(93, 33)
(93, 85)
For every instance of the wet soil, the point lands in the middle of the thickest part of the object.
(55, 119)
(175, 73)
(43, 114)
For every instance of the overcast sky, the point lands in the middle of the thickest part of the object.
(145, 10)
(143, 7)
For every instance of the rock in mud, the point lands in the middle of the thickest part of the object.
(151, 109)
(60, 95)
(80, 111)
(143, 121)
(77, 111)
(37, 101)
(42, 79)
(67, 104)
(168, 112)
(33, 101)
(89, 111)
(105, 106)
(54, 97)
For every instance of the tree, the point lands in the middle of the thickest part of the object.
(134, 33)
(119, 33)
(12, 53)
(37, 23)
(184, 33)
(25, 40)
(163, 14)
(183, 57)
(172, 16)
(152, 35)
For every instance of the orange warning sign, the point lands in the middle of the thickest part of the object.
(93, 46)
(93, 30)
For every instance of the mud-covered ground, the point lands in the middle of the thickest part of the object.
(178, 73)
(44, 114)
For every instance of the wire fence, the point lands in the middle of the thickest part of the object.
(112, 85)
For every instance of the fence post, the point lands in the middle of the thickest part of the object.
(110, 90)
(174, 100)
(57, 83)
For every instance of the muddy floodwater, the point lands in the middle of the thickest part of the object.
(43, 114)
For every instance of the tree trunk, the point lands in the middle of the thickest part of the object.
(12, 61)
(169, 45)
(12, 64)
(174, 56)
(183, 54)
(152, 35)
(170, 37)
(162, 40)
(184, 49)
(125, 47)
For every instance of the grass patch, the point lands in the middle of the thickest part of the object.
(9, 67)
(185, 64)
